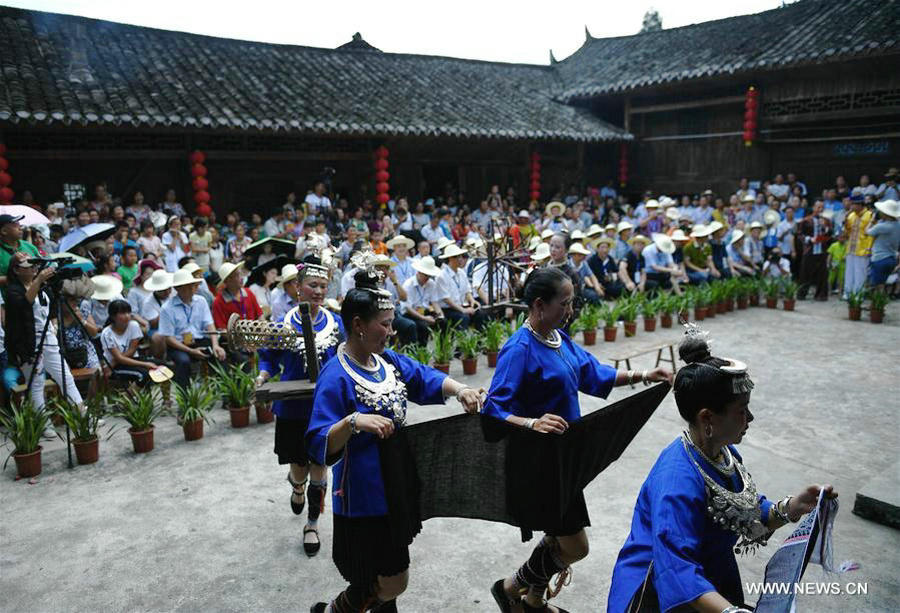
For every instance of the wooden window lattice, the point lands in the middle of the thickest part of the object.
(822, 104)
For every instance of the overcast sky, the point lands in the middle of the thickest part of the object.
(483, 29)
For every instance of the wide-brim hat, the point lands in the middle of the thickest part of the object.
(534, 242)
(771, 217)
(579, 248)
(400, 240)
(226, 270)
(605, 240)
(183, 277)
(756, 224)
(379, 259)
(715, 226)
(638, 238)
(707, 192)
(672, 214)
(556, 204)
(666, 202)
(258, 273)
(548, 233)
(594, 230)
(651, 204)
(577, 235)
(523, 214)
(891, 173)
(81, 288)
(609, 226)
(738, 235)
(828, 214)
(623, 225)
(663, 242)
(451, 251)
(748, 198)
(193, 267)
(699, 231)
(426, 266)
(891, 208)
(148, 263)
(541, 253)
(288, 273)
(679, 235)
(160, 280)
(442, 242)
(106, 287)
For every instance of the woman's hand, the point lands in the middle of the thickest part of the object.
(805, 501)
(660, 374)
(382, 427)
(471, 399)
(550, 424)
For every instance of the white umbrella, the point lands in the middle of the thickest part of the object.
(90, 232)
(31, 217)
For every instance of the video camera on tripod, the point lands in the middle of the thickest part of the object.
(62, 272)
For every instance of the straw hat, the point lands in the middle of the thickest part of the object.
(192, 267)
(738, 235)
(579, 248)
(541, 253)
(771, 217)
(523, 214)
(639, 238)
(605, 239)
(106, 287)
(382, 260)
(534, 242)
(672, 213)
(623, 225)
(652, 204)
(756, 224)
(715, 226)
(183, 277)
(158, 281)
(666, 202)
(891, 173)
(555, 205)
(680, 236)
(452, 251)
(700, 231)
(426, 266)
(663, 242)
(401, 240)
(594, 230)
(748, 198)
(226, 270)
(891, 208)
(577, 235)
(288, 273)
(443, 242)
(548, 233)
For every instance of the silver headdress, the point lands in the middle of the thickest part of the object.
(695, 348)
(383, 299)
(366, 261)
(315, 270)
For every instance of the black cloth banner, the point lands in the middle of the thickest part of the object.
(484, 468)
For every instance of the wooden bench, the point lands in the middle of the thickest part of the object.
(80, 375)
(659, 349)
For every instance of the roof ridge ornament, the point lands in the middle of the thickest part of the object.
(587, 34)
(553, 60)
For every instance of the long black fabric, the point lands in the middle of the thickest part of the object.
(484, 468)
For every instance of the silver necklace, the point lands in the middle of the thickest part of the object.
(388, 396)
(554, 342)
(326, 338)
(725, 468)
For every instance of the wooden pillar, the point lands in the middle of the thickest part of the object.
(626, 112)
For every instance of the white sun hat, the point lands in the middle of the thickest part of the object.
(663, 242)
(541, 253)
(579, 248)
(158, 281)
(106, 287)
(426, 266)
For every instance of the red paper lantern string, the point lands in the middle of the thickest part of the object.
(535, 176)
(3, 163)
(198, 157)
(382, 187)
(5, 179)
(6, 195)
(200, 184)
(751, 113)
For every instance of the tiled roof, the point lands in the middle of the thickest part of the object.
(58, 69)
(802, 33)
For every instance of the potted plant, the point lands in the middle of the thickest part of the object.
(469, 344)
(238, 388)
(140, 408)
(444, 347)
(587, 322)
(742, 292)
(194, 403)
(790, 294)
(719, 296)
(264, 414)
(24, 426)
(709, 299)
(610, 316)
(494, 335)
(665, 304)
(83, 424)
(514, 324)
(879, 301)
(683, 306)
(699, 300)
(771, 288)
(854, 304)
(629, 309)
(730, 293)
(754, 286)
(648, 311)
(420, 353)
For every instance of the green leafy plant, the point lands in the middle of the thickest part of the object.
(856, 299)
(469, 344)
(879, 301)
(610, 315)
(771, 287)
(85, 422)
(514, 324)
(650, 307)
(420, 353)
(494, 335)
(195, 401)
(702, 296)
(444, 344)
(790, 290)
(236, 385)
(665, 303)
(686, 300)
(629, 308)
(23, 425)
(743, 287)
(140, 407)
(589, 317)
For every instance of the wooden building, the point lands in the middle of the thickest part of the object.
(85, 101)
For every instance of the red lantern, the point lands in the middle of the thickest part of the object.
(201, 196)
(5, 179)
(3, 164)
(204, 210)
(382, 198)
(382, 188)
(200, 183)
(381, 152)
(751, 112)
(535, 156)
(535, 186)
(197, 157)
(198, 170)
(535, 195)
(381, 164)
(6, 195)
(382, 176)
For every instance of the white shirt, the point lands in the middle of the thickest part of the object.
(432, 235)
(347, 280)
(150, 307)
(775, 272)
(315, 204)
(263, 295)
(779, 191)
(171, 256)
(273, 227)
(109, 339)
(453, 285)
(419, 296)
(501, 280)
(136, 297)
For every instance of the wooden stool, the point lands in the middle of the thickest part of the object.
(660, 357)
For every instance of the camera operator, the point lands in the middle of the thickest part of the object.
(776, 265)
(11, 244)
(27, 296)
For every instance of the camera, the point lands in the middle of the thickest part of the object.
(62, 274)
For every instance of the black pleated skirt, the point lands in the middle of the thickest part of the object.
(365, 547)
(290, 444)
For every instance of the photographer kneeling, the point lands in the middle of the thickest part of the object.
(30, 301)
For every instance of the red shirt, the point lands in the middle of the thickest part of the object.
(246, 308)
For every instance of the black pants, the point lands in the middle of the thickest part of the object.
(814, 272)
(463, 321)
(613, 289)
(406, 329)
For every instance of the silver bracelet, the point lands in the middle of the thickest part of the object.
(630, 376)
(530, 423)
(644, 379)
(735, 609)
(353, 428)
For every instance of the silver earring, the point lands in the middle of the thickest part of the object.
(708, 431)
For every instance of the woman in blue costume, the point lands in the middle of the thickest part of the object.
(539, 374)
(361, 398)
(292, 416)
(699, 505)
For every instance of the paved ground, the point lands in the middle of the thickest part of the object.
(206, 526)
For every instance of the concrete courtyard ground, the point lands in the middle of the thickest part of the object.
(206, 526)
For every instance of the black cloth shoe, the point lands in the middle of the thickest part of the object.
(311, 549)
(503, 601)
(527, 608)
(297, 507)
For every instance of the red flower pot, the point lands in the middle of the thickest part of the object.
(754, 299)
(193, 430)
(771, 303)
(729, 304)
(240, 417)
(665, 320)
(444, 368)
(590, 337)
(28, 464)
(855, 313)
(87, 452)
(699, 313)
(722, 307)
(789, 304)
(684, 316)
(649, 324)
(470, 366)
(710, 311)
(742, 303)
(630, 328)
(264, 414)
(876, 317)
(609, 333)
(492, 358)
(142, 440)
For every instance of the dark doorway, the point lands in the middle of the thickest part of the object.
(439, 181)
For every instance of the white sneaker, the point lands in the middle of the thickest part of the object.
(49, 433)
